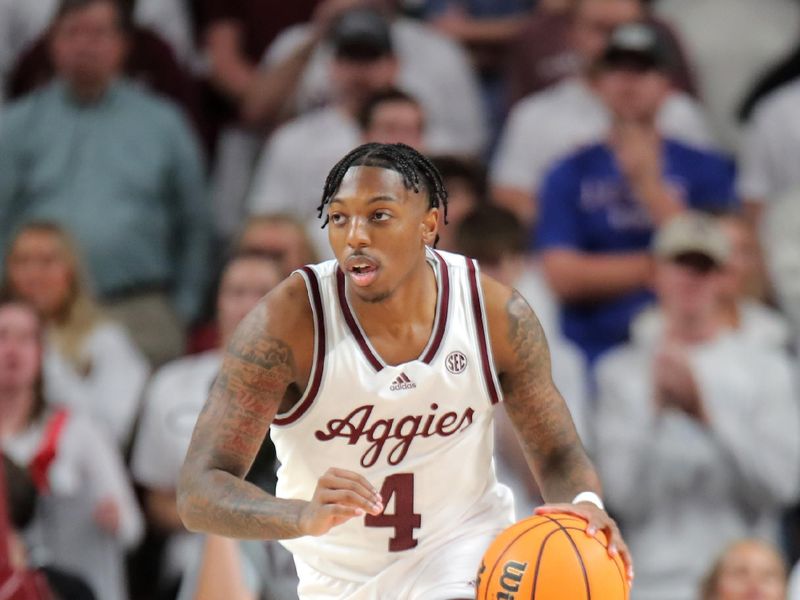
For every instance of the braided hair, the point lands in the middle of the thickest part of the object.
(418, 172)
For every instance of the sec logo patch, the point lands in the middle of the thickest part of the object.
(456, 362)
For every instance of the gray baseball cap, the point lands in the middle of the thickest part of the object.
(692, 232)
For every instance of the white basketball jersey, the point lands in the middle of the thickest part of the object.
(420, 432)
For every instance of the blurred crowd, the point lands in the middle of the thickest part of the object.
(631, 167)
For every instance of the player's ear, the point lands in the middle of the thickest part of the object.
(430, 226)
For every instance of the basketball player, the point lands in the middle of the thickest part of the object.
(378, 373)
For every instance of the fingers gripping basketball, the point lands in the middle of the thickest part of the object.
(551, 557)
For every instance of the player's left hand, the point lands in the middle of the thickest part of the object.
(596, 520)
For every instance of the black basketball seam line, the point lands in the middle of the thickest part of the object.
(619, 572)
(578, 554)
(539, 558)
(500, 555)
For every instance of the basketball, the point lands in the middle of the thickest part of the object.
(550, 557)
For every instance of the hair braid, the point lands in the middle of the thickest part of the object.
(417, 171)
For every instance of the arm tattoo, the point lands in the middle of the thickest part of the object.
(212, 494)
(538, 411)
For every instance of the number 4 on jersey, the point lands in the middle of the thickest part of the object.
(404, 520)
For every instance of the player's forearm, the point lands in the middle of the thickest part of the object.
(565, 473)
(221, 503)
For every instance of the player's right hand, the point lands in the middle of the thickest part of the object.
(340, 496)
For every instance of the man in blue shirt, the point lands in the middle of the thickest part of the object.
(118, 167)
(600, 205)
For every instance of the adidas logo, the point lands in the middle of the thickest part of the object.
(402, 383)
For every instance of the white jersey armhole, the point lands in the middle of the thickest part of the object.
(311, 392)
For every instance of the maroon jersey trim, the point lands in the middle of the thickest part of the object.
(482, 331)
(439, 327)
(442, 310)
(319, 359)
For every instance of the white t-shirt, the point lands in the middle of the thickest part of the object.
(759, 326)
(173, 401)
(111, 392)
(548, 125)
(764, 31)
(771, 146)
(676, 484)
(434, 69)
(291, 171)
(87, 468)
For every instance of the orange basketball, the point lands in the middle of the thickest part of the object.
(550, 557)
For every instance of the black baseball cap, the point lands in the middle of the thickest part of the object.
(640, 45)
(361, 34)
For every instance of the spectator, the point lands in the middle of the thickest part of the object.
(739, 310)
(293, 166)
(696, 429)
(432, 68)
(546, 126)
(17, 579)
(88, 515)
(24, 60)
(747, 569)
(148, 61)
(764, 31)
(465, 182)
(175, 398)
(557, 39)
(391, 116)
(600, 204)
(280, 236)
(120, 169)
(91, 365)
(22, 500)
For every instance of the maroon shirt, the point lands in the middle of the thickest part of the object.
(261, 20)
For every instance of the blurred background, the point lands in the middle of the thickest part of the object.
(631, 167)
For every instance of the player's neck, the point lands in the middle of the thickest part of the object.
(413, 301)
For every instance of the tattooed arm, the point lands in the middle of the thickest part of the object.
(270, 351)
(539, 414)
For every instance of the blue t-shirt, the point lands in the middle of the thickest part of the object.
(586, 205)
